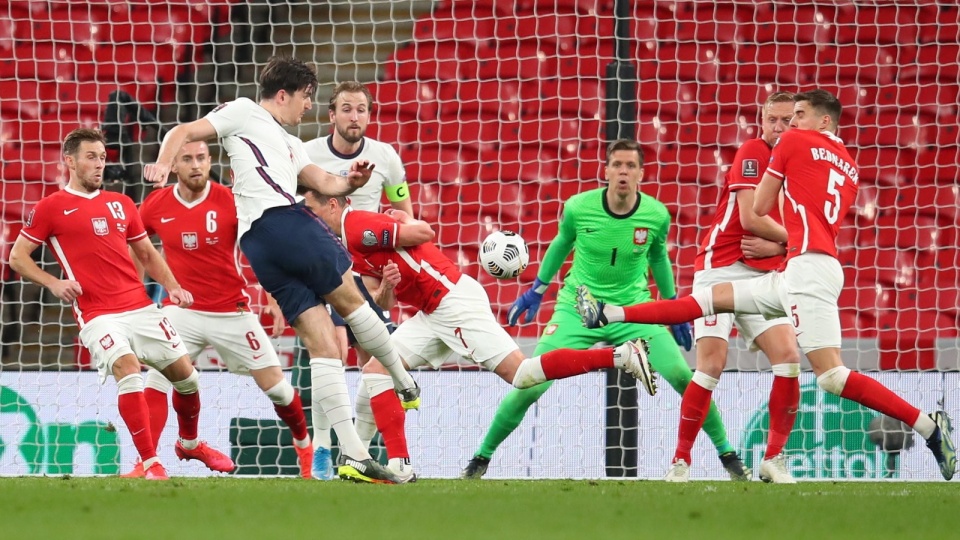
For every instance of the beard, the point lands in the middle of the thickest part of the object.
(350, 138)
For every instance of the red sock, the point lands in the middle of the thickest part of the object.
(784, 400)
(187, 407)
(292, 416)
(563, 363)
(693, 410)
(869, 392)
(133, 410)
(159, 409)
(391, 422)
(677, 311)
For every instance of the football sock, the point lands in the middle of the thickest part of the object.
(391, 421)
(509, 415)
(677, 311)
(330, 389)
(365, 423)
(321, 425)
(133, 410)
(693, 409)
(186, 403)
(870, 393)
(155, 393)
(373, 336)
(290, 412)
(560, 364)
(784, 403)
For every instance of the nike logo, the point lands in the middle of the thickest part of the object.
(68, 212)
(175, 345)
(167, 219)
(258, 356)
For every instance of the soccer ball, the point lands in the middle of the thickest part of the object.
(504, 254)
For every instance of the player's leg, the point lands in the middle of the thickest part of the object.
(322, 468)
(372, 334)
(155, 391)
(778, 343)
(389, 418)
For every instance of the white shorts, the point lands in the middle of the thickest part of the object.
(806, 293)
(145, 333)
(720, 325)
(463, 324)
(239, 339)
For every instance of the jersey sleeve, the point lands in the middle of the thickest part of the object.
(230, 117)
(780, 155)
(395, 177)
(147, 213)
(39, 224)
(660, 264)
(135, 229)
(747, 167)
(368, 232)
(560, 246)
(300, 155)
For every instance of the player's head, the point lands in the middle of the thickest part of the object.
(816, 110)
(327, 208)
(289, 84)
(85, 153)
(777, 113)
(192, 166)
(350, 110)
(624, 166)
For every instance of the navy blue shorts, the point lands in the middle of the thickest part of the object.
(382, 313)
(296, 258)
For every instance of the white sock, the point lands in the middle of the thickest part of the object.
(329, 388)
(529, 373)
(373, 336)
(925, 426)
(613, 313)
(281, 394)
(321, 425)
(154, 379)
(704, 298)
(366, 425)
(147, 463)
(705, 381)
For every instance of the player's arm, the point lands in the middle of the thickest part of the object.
(762, 226)
(319, 180)
(156, 267)
(198, 130)
(381, 290)
(22, 263)
(412, 232)
(660, 264)
(767, 193)
(560, 247)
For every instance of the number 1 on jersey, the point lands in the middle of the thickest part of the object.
(613, 257)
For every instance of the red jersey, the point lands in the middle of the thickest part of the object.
(426, 274)
(199, 241)
(721, 246)
(820, 182)
(88, 234)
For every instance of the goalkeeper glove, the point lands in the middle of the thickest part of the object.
(682, 333)
(528, 302)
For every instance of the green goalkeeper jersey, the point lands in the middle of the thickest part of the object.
(612, 253)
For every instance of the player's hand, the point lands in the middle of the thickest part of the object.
(528, 302)
(66, 289)
(754, 247)
(279, 324)
(180, 297)
(156, 174)
(391, 276)
(359, 174)
(682, 334)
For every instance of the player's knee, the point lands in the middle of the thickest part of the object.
(157, 381)
(789, 370)
(189, 385)
(834, 380)
(124, 366)
(374, 367)
(280, 394)
(130, 384)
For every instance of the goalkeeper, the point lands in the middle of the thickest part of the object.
(616, 235)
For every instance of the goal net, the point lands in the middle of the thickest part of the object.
(498, 109)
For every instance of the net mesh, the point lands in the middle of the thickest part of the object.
(497, 110)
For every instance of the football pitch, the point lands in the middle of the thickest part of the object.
(230, 508)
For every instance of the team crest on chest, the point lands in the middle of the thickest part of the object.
(189, 240)
(100, 226)
(640, 235)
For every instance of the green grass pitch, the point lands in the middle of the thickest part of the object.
(230, 508)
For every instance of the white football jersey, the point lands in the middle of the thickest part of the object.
(388, 170)
(265, 160)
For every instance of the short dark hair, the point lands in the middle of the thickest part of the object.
(71, 144)
(349, 87)
(779, 97)
(624, 144)
(323, 199)
(286, 73)
(823, 102)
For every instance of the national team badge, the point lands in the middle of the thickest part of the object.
(640, 236)
(369, 239)
(710, 320)
(189, 240)
(550, 329)
(122, 227)
(100, 227)
(106, 342)
(750, 169)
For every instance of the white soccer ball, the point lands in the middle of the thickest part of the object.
(504, 254)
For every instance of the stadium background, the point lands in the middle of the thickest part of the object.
(497, 109)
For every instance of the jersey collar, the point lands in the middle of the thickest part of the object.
(355, 155)
(606, 207)
(71, 191)
(189, 205)
(830, 135)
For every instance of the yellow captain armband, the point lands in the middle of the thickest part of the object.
(397, 193)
